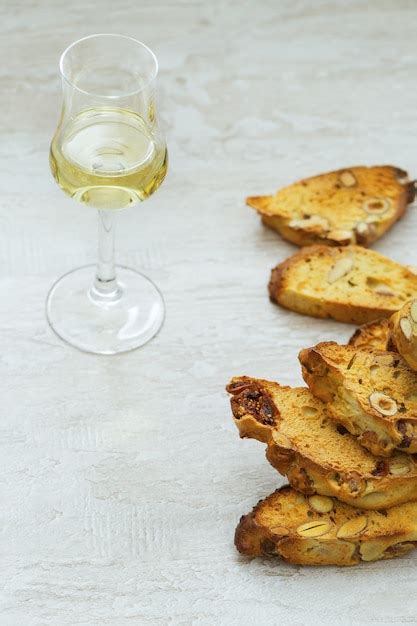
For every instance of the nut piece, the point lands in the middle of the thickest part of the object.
(365, 231)
(383, 403)
(384, 359)
(340, 235)
(384, 290)
(413, 310)
(342, 267)
(347, 179)
(373, 219)
(316, 528)
(310, 223)
(399, 466)
(370, 551)
(281, 440)
(376, 206)
(321, 504)
(280, 530)
(362, 228)
(406, 327)
(352, 527)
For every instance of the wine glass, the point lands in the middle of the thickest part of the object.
(108, 152)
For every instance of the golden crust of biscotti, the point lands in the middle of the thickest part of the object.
(374, 334)
(403, 328)
(353, 205)
(315, 454)
(349, 284)
(287, 524)
(372, 393)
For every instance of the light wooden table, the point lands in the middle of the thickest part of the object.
(122, 479)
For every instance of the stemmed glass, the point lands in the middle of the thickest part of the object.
(108, 153)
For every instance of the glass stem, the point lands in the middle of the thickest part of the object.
(105, 287)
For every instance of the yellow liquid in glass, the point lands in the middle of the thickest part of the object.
(107, 158)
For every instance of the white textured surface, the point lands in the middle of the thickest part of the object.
(122, 479)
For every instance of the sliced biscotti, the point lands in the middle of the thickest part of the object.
(403, 327)
(374, 334)
(354, 205)
(349, 284)
(288, 524)
(314, 452)
(372, 393)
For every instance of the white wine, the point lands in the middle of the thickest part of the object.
(108, 158)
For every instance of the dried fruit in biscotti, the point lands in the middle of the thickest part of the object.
(318, 456)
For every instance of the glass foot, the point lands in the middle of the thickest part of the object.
(106, 326)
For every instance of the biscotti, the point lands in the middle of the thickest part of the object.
(349, 284)
(290, 525)
(372, 393)
(374, 334)
(316, 454)
(353, 205)
(403, 328)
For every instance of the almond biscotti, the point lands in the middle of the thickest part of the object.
(372, 393)
(403, 328)
(349, 284)
(313, 451)
(317, 530)
(353, 205)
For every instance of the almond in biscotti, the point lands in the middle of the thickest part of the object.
(406, 327)
(362, 228)
(343, 199)
(352, 527)
(314, 529)
(350, 284)
(364, 232)
(375, 402)
(350, 537)
(399, 466)
(384, 359)
(348, 179)
(312, 222)
(342, 267)
(341, 237)
(321, 504)
(403, 327)
(384, 290)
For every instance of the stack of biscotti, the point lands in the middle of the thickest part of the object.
(333, 216)
(348, 447)
(347, 442)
